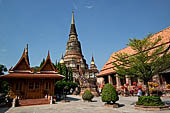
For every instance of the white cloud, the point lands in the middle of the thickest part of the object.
(89, 7)
(89, 4)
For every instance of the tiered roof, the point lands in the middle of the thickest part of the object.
(108, 66)
(22, 69)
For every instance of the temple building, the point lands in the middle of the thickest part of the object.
(27, 84)
(74, 58)
(108, 75)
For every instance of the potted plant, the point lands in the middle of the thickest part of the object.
(110, 96)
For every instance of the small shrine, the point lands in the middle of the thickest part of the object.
(27, 84)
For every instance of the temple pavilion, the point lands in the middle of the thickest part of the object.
(108, 75)
(27, 84)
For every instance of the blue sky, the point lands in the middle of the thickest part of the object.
(103, 26)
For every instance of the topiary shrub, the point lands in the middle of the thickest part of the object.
(87, 95)
(109, 94)
(149, 101)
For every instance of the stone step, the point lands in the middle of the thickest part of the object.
(29, 102)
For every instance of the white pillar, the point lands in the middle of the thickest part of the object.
(110, 79)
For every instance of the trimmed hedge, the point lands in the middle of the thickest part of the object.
(149, 101)
(109, 94)
(87, 95)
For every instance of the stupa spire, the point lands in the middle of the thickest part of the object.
(72, 21)
(73, 27)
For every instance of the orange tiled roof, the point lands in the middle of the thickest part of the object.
(108, 66)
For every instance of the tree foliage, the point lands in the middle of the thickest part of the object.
(66, 71)
(4, 86)
(150, 57)
(87, 95)
(2, 69)
(149, 101)
(109, 94)
(42, 62)
(59, 86)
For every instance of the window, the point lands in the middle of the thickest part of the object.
(47, 86)
(37, 85)
(31, 85)
(18, 86)
(34, 85)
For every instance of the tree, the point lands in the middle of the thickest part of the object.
(59, 68)
(2, 69)
(70, 74)
(4, 86)
(87, 95)
(43, 61)
(66, 71)
(109, 94)
(150, 57)
(36, 68)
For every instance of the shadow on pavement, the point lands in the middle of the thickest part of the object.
(4, 109)
(72, 99)
(167, 102)
(121, 105)
(94, 101)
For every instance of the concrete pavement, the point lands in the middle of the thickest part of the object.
(76, 105)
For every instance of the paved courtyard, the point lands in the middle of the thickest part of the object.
(76, 105)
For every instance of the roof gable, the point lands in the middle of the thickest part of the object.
(22, 65)
(48, 66)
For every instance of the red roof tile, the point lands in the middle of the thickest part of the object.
(108, 66)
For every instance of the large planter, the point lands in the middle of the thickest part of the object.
(152, 108)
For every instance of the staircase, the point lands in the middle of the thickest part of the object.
(29, 102)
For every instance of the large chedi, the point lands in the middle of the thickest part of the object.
(73, 57)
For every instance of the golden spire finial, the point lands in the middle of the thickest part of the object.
(72, 22)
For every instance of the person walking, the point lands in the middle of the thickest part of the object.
(139, 92)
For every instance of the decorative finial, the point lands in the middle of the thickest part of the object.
(26, 49)
(72, 22)
(62, 59)
(48, 53)
(92, 60)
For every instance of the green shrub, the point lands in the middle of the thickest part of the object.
(109, 94)
(149, 101)
(87, 95)
(60, 85)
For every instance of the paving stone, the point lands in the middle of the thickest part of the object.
(76, 105)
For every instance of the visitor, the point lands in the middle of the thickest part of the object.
(139, 92)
